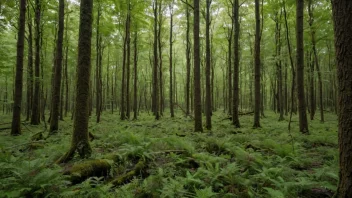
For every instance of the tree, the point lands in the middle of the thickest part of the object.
(303, 123)
(236, 65)
(16, 116)
(55, 99)
(316, 60)
(171, 61)
(342, 15)
(80, 140)
(196, 78)
(208, 101)
(35, 118)
(135, 110)
(257, 67)
(30, 65)
(155, 64)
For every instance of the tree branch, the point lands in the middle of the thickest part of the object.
(187, 4)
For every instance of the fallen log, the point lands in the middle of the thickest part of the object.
(82, 171)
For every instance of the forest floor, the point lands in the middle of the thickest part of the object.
(165, 158)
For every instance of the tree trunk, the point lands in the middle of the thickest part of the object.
(320, 83)
(236, 65)
(188, 61)
(257, 67)
(155, 64)
(55, 99)
(171, 70)
(16, 117)
(98, 84)
(208, 99)
(135, 110)
(35, 118)
(197, 85)
(303, 123)
(80, 137)
(279, 67)
(30, 66)
(161, 84)
(342, 15)
(128, 65)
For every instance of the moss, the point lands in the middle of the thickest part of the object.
(137, 170)
(82, 171)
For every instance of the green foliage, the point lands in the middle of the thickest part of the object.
(223, 163)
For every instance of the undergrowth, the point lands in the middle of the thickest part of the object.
(177, 162)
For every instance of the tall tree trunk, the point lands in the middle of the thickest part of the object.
(342, 15)
(98, 84)
(80, 140)
(279, 66)
(236, 65)
(208, 99)
(171, 70)
(257, 67)
(155, 64)
(30, 65)
(55, 99)
(197, 85)
(123, 83)
(161, 84)
(188, 61)
(229, 70)
(128, 65)
(16, 116)
(320, 83)
(311, 89)
(135, 90)
(35, 118)
(303, 123)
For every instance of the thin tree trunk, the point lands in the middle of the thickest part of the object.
(155, 67)
(188, 61)
(30, 66)
(35, 118)
(257, 95)
(55, 99)
(171, 70)
(135, 110)
(236, 65)
(197, 84)
(208, 99)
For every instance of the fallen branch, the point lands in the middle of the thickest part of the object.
(183, 111)
(127, 177)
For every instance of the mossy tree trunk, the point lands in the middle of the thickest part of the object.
(16, 117)
(80, 137)
(35, 118)
(303, 123)
(236, 65)
(342, 15)
(55, 99)
(196, 78)
(257, 96)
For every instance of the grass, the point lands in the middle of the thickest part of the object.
(177, 162)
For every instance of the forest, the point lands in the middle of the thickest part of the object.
(176, 98)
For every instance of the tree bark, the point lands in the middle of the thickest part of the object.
(236, 66)
(197, 85)
(171, 62)
(342, 15)
(316, 60)
(257, 95)
(16, 116)
(80, 137)
(208, 98)
(30, 66)
(35, 118)
(155, 63)
(55, 99)
(188, 61)
(303, 123)
(135, 90)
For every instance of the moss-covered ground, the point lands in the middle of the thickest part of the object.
(165, 158)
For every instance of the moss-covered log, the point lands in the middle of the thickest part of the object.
(82, 171)
(139, 169)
